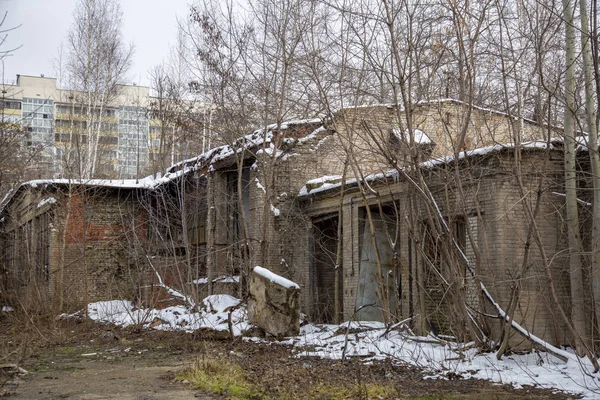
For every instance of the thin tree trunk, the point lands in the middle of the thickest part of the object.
(574, 237)
(593, 150)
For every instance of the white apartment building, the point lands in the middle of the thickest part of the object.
(120, 134)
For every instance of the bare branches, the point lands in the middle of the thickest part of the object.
(4, 36)
(97, 62)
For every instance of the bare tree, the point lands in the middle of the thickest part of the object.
(97, 61)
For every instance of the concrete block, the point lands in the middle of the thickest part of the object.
(274, 304)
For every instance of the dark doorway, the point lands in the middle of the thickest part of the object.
(323, 271)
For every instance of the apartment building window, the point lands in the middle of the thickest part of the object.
(133, 127)
(12, 105)
(38, 116)
(70, 109)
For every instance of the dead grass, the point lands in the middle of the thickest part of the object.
(229, 379)
(221, 377)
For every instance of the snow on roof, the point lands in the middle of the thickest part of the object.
(312, 135)
(323, 183)
(325, 179)
(436, 162)
(113, 183)
(48, 200)
(258, 137)
(419, 136)
(149, 182)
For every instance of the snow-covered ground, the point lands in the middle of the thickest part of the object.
(441, 360)
(371, 341)
(214, 315)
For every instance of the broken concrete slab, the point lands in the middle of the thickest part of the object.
(274, 304)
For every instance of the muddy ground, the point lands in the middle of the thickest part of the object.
(86, 361)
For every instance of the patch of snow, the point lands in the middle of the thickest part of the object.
(227, 279)
(275, 210)
(270, 152)
(218, 303)
(7, 196)
(259, 185)
(319, 143)
(144, 183)
(262, 136)
(372, 341)
(214, 316)
(220, 279)
(362, 325)
(438, 357)
(7, 309)
(312, 135)
(326, 186)
(287, 156)
(419, 136)
(43, 202)
(277, 279)
(170, 290)
(150, 182)
(304, 121)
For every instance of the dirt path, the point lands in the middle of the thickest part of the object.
(122, 370)
(104, 380)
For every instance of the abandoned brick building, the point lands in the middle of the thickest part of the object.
(330, 205)
(67, 242)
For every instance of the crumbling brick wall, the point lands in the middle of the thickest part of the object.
(102, 253)
(68, 246)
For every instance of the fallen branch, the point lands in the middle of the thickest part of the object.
(555, 351)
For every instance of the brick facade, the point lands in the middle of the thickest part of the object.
(90, 243)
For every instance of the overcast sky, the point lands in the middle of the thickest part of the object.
(151, 25)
